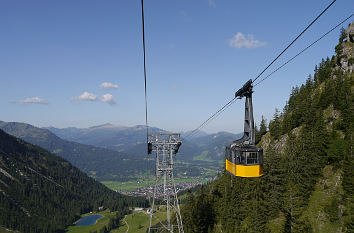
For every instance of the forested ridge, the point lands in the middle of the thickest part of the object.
(41, 192)
(100, 163)
(305, 145)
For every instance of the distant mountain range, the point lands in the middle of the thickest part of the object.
(108, 136)
(131, 140)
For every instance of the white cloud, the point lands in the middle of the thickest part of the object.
(212, 3)
(86, 96)
(107, 85)
(240, 41)
(108, 98)
(33, 100)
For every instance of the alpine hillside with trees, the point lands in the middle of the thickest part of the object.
(41, 192)
(308, 182)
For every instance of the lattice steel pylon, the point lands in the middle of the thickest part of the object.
(165, 146)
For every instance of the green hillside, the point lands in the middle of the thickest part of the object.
(100, 163)
(41, 192)
(308, 184)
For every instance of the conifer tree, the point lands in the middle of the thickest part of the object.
(263, 126)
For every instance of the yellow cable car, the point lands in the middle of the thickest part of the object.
(242, 157)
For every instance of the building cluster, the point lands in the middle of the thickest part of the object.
(149, 190)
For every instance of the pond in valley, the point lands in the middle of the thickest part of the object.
(88, 220)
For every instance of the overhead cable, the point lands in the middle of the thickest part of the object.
(211, 118)
(309, 46)
(296, 38)
(146, 105)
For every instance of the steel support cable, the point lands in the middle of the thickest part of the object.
(211, 118)
(145, 89)
(146, 106)
(296, 38)
(309, 46)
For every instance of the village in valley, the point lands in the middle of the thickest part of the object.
(149, 190)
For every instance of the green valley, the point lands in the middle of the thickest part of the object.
(109, 221)
(41, 192)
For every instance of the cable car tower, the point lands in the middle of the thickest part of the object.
(242, 157)
(165, 146)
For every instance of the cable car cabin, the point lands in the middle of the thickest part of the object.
(244, 161)
(242, 157)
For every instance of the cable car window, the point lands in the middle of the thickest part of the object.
(233, 156)
(252, 157)
(240, 157)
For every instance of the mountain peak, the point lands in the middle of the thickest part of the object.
(106, 125)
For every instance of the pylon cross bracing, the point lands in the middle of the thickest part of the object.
(165, 146)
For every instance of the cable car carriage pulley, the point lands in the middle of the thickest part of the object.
(242, 157)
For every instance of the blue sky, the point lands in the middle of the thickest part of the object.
(55, 56)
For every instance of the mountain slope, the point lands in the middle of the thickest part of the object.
(98, 162)
(41, 192)
(308, 164)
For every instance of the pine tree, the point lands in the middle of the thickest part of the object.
(263, 126)
(292, 207)
(257, 134)
(343, 35)
(275, 125)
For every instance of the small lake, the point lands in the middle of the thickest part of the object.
(88, 220)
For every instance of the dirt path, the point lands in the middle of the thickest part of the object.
(126, 223)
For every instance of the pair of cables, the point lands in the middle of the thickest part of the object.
(228, 104)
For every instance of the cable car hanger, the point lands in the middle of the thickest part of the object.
(242, 157)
